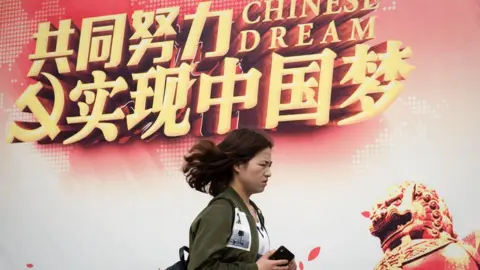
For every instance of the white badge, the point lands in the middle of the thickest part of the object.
(240, 237)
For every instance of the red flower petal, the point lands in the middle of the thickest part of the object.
(366, 214)
(314, 254)
(30, 265)
(300, 265)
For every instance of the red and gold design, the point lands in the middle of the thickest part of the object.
(106, 200)
(161, 72)
(415, 229)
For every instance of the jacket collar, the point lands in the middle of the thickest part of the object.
(230, 192)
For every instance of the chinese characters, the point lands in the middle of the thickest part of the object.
(157, 73)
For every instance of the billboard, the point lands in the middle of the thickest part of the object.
(101, 100)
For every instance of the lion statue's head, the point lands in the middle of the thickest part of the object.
(410, 211)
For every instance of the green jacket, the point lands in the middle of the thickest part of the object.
(216, 243)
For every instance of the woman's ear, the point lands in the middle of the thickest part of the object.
(237, 168)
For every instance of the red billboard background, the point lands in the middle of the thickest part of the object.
(324, 177)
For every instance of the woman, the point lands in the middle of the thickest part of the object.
(229, 233)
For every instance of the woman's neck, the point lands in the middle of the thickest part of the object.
(242, 193)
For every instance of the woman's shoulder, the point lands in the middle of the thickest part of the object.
(217, 207)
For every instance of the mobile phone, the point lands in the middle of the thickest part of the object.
(282, 253)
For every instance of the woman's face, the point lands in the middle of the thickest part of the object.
(254, 174)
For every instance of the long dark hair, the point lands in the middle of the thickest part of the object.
(209, 168)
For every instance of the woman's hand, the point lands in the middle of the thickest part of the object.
(292, 265)
(264, 263)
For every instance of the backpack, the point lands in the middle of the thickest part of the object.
(183, 263)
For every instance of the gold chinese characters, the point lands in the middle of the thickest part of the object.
(164, 74)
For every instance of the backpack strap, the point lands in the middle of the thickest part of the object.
(232, 204)
(181, 252)
(260, 215)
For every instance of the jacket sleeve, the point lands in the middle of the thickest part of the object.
(210, 241)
